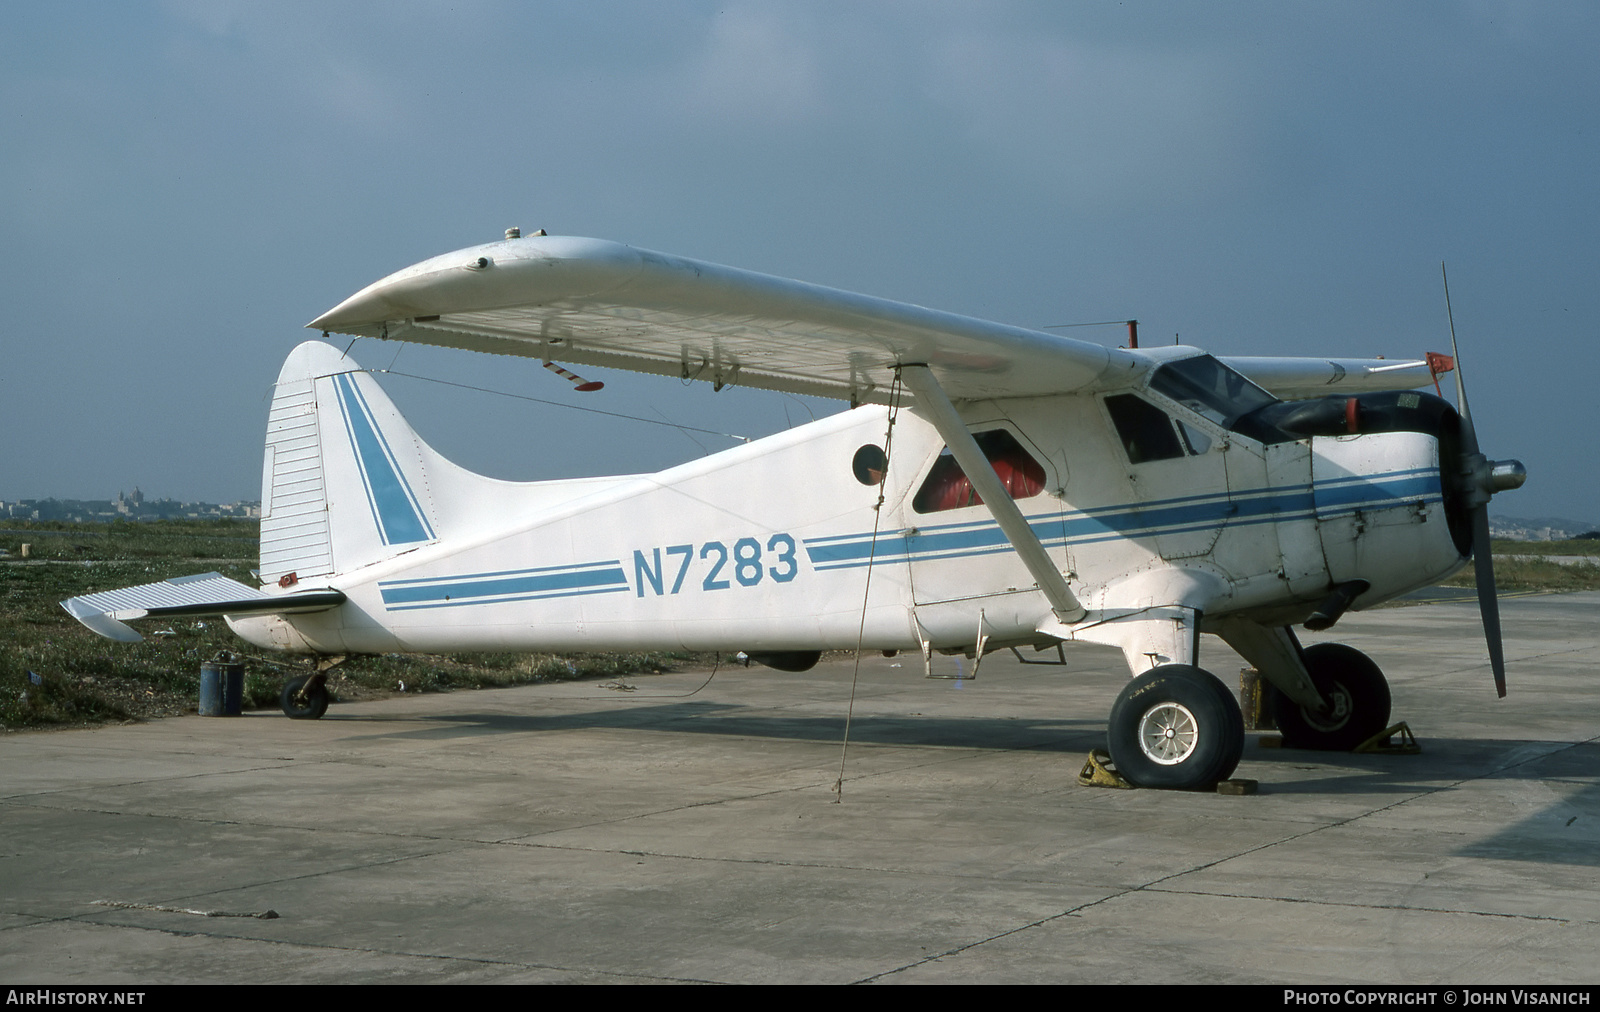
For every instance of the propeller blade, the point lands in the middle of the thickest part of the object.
(1488, 602)
(1469, 435)
(1481, 485)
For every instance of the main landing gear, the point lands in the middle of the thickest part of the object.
(1176, 726)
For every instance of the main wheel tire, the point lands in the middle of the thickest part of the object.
(1175, 726)
(303, 699)
(1357, 695)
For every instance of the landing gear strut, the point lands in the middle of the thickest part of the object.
(1176, 726)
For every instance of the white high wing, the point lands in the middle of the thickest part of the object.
(992, 487)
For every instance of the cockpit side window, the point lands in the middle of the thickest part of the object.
(947, 486)
(1145, 429)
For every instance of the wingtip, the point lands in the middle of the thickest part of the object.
(99, 623)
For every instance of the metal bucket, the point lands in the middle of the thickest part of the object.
(221, 689)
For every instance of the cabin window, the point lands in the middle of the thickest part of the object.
(1194, 440)
(947, 486)
(869, 464)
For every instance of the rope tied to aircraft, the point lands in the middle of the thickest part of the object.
(895, 392)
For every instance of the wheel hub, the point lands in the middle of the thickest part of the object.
(1168, 733)
(1338, 712)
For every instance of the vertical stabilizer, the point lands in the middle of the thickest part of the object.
(343, 482)
(346, 481)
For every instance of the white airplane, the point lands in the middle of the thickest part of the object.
(992, 487)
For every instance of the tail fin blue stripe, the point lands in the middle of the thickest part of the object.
(394, 507)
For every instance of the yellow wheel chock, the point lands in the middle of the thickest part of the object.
(1097, 772)
(1381, 745)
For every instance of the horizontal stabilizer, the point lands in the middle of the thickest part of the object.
(189, 596)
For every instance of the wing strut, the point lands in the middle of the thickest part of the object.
(932, 403)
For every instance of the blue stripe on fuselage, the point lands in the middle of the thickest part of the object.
(510, 585)
(1161, 517)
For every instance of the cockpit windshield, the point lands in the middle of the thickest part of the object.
(1210, 388)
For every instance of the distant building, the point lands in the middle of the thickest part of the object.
(125, 507)
(1539, 529)
(130, 505)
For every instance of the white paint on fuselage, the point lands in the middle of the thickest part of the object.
(765, 546)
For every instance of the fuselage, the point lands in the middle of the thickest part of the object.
(782, 545)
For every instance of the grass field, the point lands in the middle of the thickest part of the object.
(53, 671)
(1525, 565)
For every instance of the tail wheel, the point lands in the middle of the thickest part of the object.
(1357, 696)
(304, 698)
(1176, 726)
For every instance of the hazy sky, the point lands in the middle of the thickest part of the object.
(183, 185)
